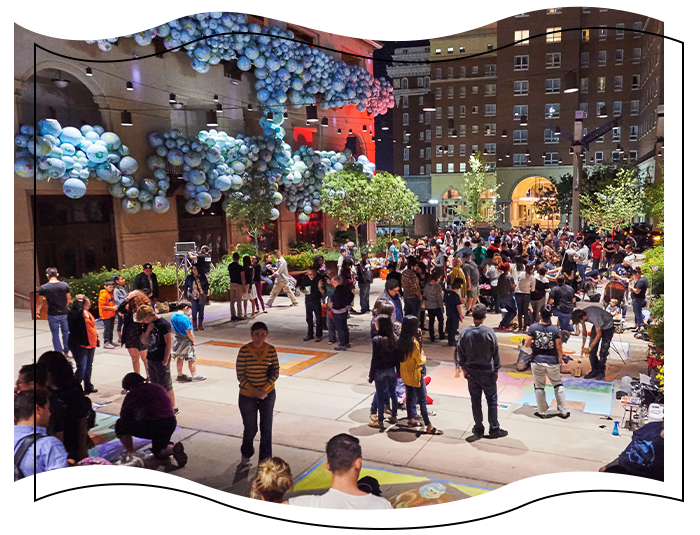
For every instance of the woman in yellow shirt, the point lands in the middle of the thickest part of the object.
(412, 358)
(457, 273)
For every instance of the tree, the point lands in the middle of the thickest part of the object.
(391, 201)
(250, 207)
(346, 196)
(616, 204)
(654, 199)
(476, 184)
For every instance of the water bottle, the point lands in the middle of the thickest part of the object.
(616, 430)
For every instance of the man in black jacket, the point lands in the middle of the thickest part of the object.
(341, 301)
(147, 282)
(313, 285)
(364, 281)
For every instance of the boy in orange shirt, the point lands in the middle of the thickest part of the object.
(108, 311)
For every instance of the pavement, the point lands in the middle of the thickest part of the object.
(322, 393)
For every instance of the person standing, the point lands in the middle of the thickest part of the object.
(391, 294)
(394, 251)
(131, 338)
(183, 346)
(57, 294)
(235, 287)
(147, 282)
(602, 334)
(471, 271)
(547, 359)
(453, 310)
(411, 289)
(524, 287)
(249, 290)
(257, 281)
(581, 258)
(119, 297)
(639, 293)
(596, 252)
(506, 288)
(562, 299)
(538, 297)
(202, 261)
(108, 310)
(313, 285)
(157, 338)
(382, 369)
(257, 368)
(197, 291)
(621, 272)
(364, 281)
(477, 354)
(281, 281)
(341, 302)
(82, 341)
(432, 294)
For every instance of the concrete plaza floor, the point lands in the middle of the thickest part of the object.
(333, 396)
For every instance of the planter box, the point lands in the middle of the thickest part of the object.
(167, 294)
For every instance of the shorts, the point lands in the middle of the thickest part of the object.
(183, 349)
(159, 374)
(474, 292)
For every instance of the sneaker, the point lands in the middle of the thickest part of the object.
(591, 375)
(392, 420)
(319, 338)
(179, 454)
(109, 345)
(93, 390)
(340, 348)
(183, 379)
(268, 304)
(349, 345)
(478, 431)
(194, 328)
(308, 337)
(564, 415)
(176, 411)
(332, 342)
(431, 412)
(540, 415)
(498, 433)
(245, 463)
(600, 377)
(373, 417)
(198, 378)
(443, 337)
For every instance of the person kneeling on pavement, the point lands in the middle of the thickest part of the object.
(183, 346)
(602, 334)
(148, 413)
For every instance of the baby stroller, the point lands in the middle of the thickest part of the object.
(590, 290)
(485, 296)
(615, 290)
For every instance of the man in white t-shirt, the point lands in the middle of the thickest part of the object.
(344, 460)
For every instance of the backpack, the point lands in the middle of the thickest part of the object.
(24, 495)
(539, 292)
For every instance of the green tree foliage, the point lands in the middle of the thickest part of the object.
(615, 204)
(392, 200)
(346, 196)
(250, 207)
(476, 183)
(654, 198)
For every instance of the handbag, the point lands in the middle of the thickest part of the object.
(524, 359)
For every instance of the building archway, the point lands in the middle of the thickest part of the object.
(523, 198)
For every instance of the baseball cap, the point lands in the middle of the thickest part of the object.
(350, 244)
(147, 266)
(629, 259)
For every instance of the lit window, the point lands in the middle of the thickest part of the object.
(438, 51)
(601, 84)
(585, 35)
(551, 111)
(450, 50)
(490, 129)
(521, 87)
(438, 168)
(553, 60)
(461, 49)
(490, 90)
(552, 85)
(554, 11)
(522, 63)
(522, 34)
(462, 167)
(554, 37)
(519, 137)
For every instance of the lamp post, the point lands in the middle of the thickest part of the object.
(578, 171)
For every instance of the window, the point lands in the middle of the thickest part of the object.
(450, 72)
(438, 131)
(602, 10)
(490, 129)
(601, 84)
(584, 59)
(519, 111)
(428, 118)
(554, 37)
(421, 135)
(438, 150)
(475, 129)
(428, 168)
(463, 150)
(438, 93)
(397, 83)
(475, 109)
(450, 167)
(405, 119)
(489, 148)
(490, 167)
(462, 112)
(475, 90)
(489, 110)
(420, 118)
(617, 108)
(490, 70)
(618, 83)
(406, 169)
(450, 112)
(583, 85)
(519, 137)
(490, 90)
(552, 85)
(599, 156)
(602, 58)
(603, 32)
(634, 131)
(475, 70)
(404, 83)
(489, 46)
(585, 10)
(462, 167)
(450, 150)
(599, 107)
(420, 81)
(616, 133)
(619, 56)
(522, 63)
(633, 155)
(450, 50)
(550, 136)
(636, 55)
(421, 153)
(521, 15)
(427, 153)
(475, 149)
(428, 136)
(420, 99)
(406, 136)
(551, 111)
(519, 159)
(462, 130)
(521, 87)
(426, 81)
(620, 31)
(551, 158)
(450, 92)
(584, 108)
(634, 107)
(637, 26)
(404, 102)
(438, 73)
(463, 71)
(585, 35)
(635, 81)
(463, 91)
(438, 50)
(422, 169)
(438, 168)
(438, 112)
(521, 34)
(405, 153)
(616, 156)
(553, 60)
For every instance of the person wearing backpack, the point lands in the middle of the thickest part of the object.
(33, 409)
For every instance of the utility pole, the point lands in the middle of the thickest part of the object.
(578, 171)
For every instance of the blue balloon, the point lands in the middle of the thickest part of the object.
(74, 188)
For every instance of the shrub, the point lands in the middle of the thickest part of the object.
(341, 236)
(300, 247)
(331, 257)
(219, 281)
(300, 262)
(245, 249)
(654, 257)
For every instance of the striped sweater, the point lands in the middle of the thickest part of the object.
(257, 369)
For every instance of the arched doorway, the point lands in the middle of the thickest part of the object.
(451, 207)
(525, 195)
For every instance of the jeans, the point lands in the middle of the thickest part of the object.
(385, 385)
(340, 322)
(313, 308)
(509, 304)
(364, 297)
(417, 395)
(452, 330)
(83, 366)
(582, 271)
(159, 431)
(478, 382)
(596, 263)
(411, 306)
(540, 372)
(330, 324)
(536, 306)
(108, 330)
(523, 302)
(637, 306)
(623, 305)
(598, 363)
(250, 407)
(197, 312)
(432, 314)
(236, 295)
(56, 323)
(564, 320)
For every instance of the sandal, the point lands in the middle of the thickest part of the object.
(412, 424)
(434, 431)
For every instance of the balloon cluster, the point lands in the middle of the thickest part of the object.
(76, 155)
(285, 70)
